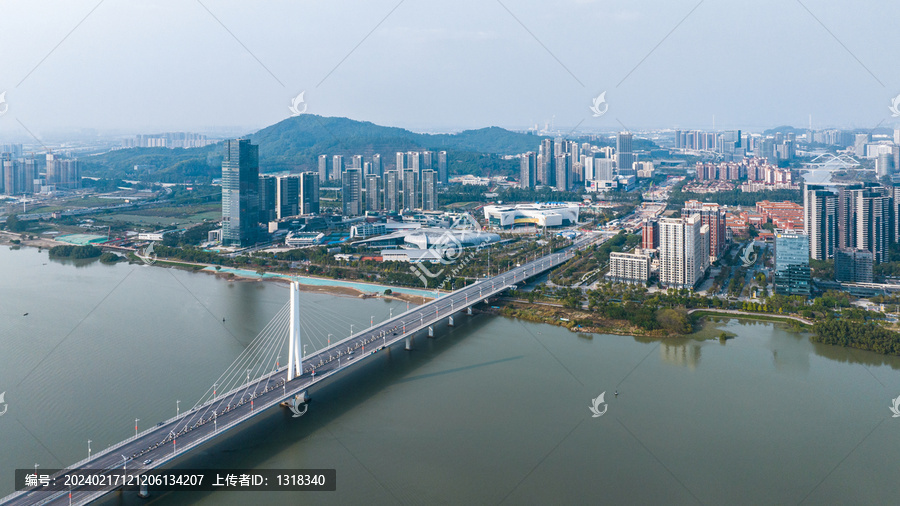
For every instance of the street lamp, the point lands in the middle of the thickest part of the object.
(174, 448)
(35, 469)
(177, 408)
(372, 321)
(89, 449)
(124, 463)
(136, 420)
(304, 350)
(329, 338)
(214, 388)
(351, 329)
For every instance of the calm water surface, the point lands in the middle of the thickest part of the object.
(492, 411)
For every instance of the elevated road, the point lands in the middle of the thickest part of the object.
(170, 439)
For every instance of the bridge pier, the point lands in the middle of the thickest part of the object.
(450, 321)
(430, 331)
(469, 310)
(144, 492)
(409, 342)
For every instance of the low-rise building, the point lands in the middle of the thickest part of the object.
(852, 265)
(541, 215)
(300, 239)
(632, 268)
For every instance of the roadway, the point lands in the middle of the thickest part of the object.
(172, 438)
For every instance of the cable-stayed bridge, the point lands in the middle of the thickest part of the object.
(260, 378)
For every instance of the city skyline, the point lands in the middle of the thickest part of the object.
(841, 80)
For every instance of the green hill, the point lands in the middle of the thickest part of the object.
(294, 145)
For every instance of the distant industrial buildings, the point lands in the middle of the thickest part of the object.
(168, 140)
(22, 175)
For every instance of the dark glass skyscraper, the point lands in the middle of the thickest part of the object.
(792, 264)
(309, 193)
(288, 196)
(267, 199)
(624, 153)
(240, 193)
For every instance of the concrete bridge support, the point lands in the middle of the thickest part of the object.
(450, 321)
(409, 342)
(430, 331)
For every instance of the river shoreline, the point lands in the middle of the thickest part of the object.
(333, 289)
(575, 319)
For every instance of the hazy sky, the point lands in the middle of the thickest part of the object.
(146, 66)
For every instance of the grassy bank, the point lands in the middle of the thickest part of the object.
(573, 319)
(750, 316)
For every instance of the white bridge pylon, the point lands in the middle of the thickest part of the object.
(295, 366)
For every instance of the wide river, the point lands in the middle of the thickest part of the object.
(492, 411)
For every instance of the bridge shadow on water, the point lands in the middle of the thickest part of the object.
(459, 369)
(261, 439)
